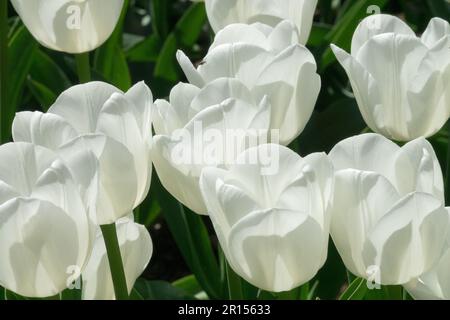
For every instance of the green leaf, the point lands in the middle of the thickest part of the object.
(342, 32)
(440, 8)
(145, 51)
(189, 284)
(21, 50)
(356, 290)
(192, 238)
(47, 72)
(41, 93)
(157, 290)
(110, 60)
(185, 34)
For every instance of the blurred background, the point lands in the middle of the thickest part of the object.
(143, 47)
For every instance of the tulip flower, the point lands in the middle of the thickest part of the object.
(45, 227)
(115, 126)
(268, 61)
(136, 249)
(401, 82)
(434, 284)
(389, 223)
(72, 26)
(270, 12)
(204, 127)
(273, 227)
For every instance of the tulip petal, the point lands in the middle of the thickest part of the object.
(39, 128)
(38, 243)
(178, 175)
(375, 25)
(360, 200)
(141, 98)
(409, 239)
(417, 168)
(80, 105)
(277, 250)
(366, 152)
(193, 76)
(22, 164)
(365, 89)
(118, 121)
(437, 29)
(116, 168)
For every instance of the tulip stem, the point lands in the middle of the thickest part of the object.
(115, 261)
(234, 284)
(83, 67)
(3, 68)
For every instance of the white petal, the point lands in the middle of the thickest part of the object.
(39, 242)
(80, 105)
(366, 152)
(118, 121)
(47, 130)
(360, 200)
(437, 29)
(117, 175)
(418, 169)
(375, 25)
(365, 89)
(67, 26)
(409, 239)
(22, 164)
(193, 76)
(141, 98)
(277, 250)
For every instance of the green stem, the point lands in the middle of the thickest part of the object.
(234, 284)
(3, 68)
(115, 261)
(83, 67)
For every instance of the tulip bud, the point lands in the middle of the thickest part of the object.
(115, 126)
(273, 226)
(72, 26)
(271, 12)
(387, 209)
(45, 228)
(401, 82)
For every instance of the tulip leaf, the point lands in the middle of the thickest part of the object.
(356, 290)
(110, 60)
(41, 93)
(146, 50)
(189, 284)
(342, 32)
(186, 32)
(192, 238)
(157, 290)
(47, 72)
(21, 50)
(440, 8)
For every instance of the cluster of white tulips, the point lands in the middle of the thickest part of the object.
(76, 173)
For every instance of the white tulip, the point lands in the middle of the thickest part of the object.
(268, 61)
(45, 230)
(136, 249)
(388, 219)
(401, 82)
(73, 26)
(115, 126)
(273, 229)
(271, 12)
(204, 127)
